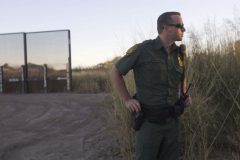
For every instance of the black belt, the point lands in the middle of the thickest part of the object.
(156, 115)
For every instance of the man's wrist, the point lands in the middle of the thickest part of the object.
(126, 99)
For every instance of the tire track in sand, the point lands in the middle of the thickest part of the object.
(63, 126)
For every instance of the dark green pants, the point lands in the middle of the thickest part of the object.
(158, 141)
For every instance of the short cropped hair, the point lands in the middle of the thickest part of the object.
(164, 19)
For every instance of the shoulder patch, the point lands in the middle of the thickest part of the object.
(180, 61)
(132, 49)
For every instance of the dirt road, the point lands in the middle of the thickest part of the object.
(64, 126)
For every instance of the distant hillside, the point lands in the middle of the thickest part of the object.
(10, 71)
(107, 64)
(34, 70)
(104, 65)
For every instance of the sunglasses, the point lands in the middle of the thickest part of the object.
(180, 26)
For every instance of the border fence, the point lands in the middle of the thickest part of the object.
(35, 62)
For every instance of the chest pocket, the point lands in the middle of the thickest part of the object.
(155, 71)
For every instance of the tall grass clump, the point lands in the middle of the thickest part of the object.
(90, 80)
(211, 126)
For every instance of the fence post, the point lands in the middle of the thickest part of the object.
(68, 77)
(45, 84)
(69, 71)
(23, 75)
(25, 68)
(1, 79)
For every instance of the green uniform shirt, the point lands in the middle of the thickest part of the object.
(157, 75)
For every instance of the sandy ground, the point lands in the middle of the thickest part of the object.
(65, 126)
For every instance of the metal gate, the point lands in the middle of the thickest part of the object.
(35, 62)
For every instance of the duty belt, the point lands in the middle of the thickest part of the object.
(156, 115)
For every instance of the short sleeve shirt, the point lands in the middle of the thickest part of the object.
(157, 74)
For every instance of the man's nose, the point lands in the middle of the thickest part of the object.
(183, 29)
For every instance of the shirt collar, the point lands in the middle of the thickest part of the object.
(159, 45)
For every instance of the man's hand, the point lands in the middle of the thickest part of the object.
(133, 105)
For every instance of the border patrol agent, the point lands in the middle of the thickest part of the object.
(158, 68)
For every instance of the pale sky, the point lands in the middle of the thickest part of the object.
(103, 29)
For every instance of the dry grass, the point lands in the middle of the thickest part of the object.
(90, 81)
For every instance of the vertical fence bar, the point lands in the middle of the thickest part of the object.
(25, 72)
(45, 84)
(23, 78)
(69, 71)
(1, 79)
(68, 78)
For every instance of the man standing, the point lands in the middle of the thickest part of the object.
(158, 67)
